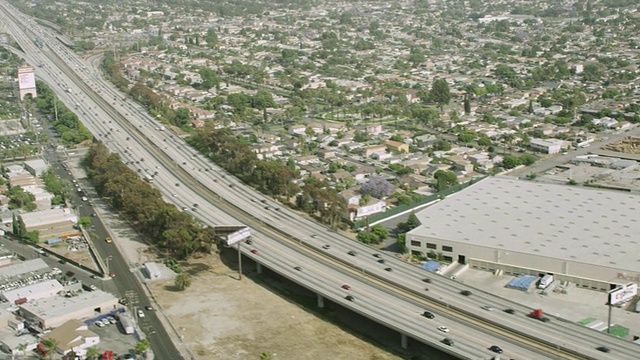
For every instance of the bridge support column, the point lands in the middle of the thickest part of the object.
(258, 268)
(404, 340)
(320, 301)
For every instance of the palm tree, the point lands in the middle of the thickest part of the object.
(93, 352)
(183, 280)
(22, 348)
(50, 346)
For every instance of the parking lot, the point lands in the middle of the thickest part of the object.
(113, 337)
(576, 305)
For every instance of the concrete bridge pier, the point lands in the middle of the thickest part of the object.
(404, 340)
(320, 301)
(258, 268)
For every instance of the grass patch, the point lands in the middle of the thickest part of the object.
(619, 331)
(586, 321)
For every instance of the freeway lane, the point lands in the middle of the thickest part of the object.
(161, 343)
(239, 197)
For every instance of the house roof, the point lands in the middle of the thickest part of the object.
(70, 334)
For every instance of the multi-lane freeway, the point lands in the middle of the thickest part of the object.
(283, 240)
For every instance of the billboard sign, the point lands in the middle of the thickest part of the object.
(623, 293)
(370, 209)
(27, 80)
(238, 236)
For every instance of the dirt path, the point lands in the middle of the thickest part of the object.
(220, 317)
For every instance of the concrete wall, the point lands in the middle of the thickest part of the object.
(480, 257)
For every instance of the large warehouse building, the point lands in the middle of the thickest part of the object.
(582, 235)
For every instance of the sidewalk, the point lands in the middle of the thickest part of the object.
(131, 247)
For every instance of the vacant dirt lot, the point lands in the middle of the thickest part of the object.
(220, 317)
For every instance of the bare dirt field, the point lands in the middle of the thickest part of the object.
(220, 317)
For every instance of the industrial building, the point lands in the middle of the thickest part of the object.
(36, 167)
(31, 292)
(16, 270)
(582, 235)
(51, 223)
(54, 311)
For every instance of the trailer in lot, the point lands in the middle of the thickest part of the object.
(127, 324)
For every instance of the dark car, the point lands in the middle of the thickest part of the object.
(428, 315)
(377, 255)
(448, 341)
(465, 292)
(509, 311)
(70, 273)
(350, 298)
(388, 269)
(603, 349)
(427, 280)
(352, 253)
(298, 268)
(61, 261)
(496, 349)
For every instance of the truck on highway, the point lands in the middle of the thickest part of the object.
(545, 281)
(70, 91)
(538, 314)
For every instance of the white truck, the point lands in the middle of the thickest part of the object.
(127, 323)
(545, 281)
(161, 128)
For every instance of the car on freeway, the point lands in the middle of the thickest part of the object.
(326, 246)
(603, 349)
(496, 349)
(346, 287)
(381, 261)
(248, 241)
(465, 292)
(448, 341)
(350, 298)
(298, 268)
(108, 240)
(487, 307)
(140, 313)
(351, 252)
(428, 315)
(443, 329)
(254, 251)
(509, 311)
(148, 308)
(377, 256)
(427, 280)
(388, 269)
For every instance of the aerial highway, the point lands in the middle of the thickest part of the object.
(284, 239)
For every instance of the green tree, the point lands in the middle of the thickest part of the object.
(510, 162)
(445, 179)
(380, 232)
(84, 221)
(440, 93)
(92, 352)
(182, 281)
(142, 346)
(50, 345)
(32, 236)
(265, 356)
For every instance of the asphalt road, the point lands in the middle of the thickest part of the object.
(188, 169)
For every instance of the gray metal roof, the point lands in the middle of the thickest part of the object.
(573, 223)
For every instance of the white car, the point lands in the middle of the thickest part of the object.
(140, 314)
(443, 329)
(98, 323)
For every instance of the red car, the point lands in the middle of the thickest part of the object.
(254, 251)
(112, 274)
(346, 287)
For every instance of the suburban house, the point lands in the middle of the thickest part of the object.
(370, 151)
(395, 146)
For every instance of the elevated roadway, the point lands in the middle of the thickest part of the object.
(279, 232)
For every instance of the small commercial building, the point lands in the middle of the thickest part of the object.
(581, 235)
(73, 335)
(17, 269)
(54, 311)
(36, 167)
(547, 146)
(50, 223)
(31, 292)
